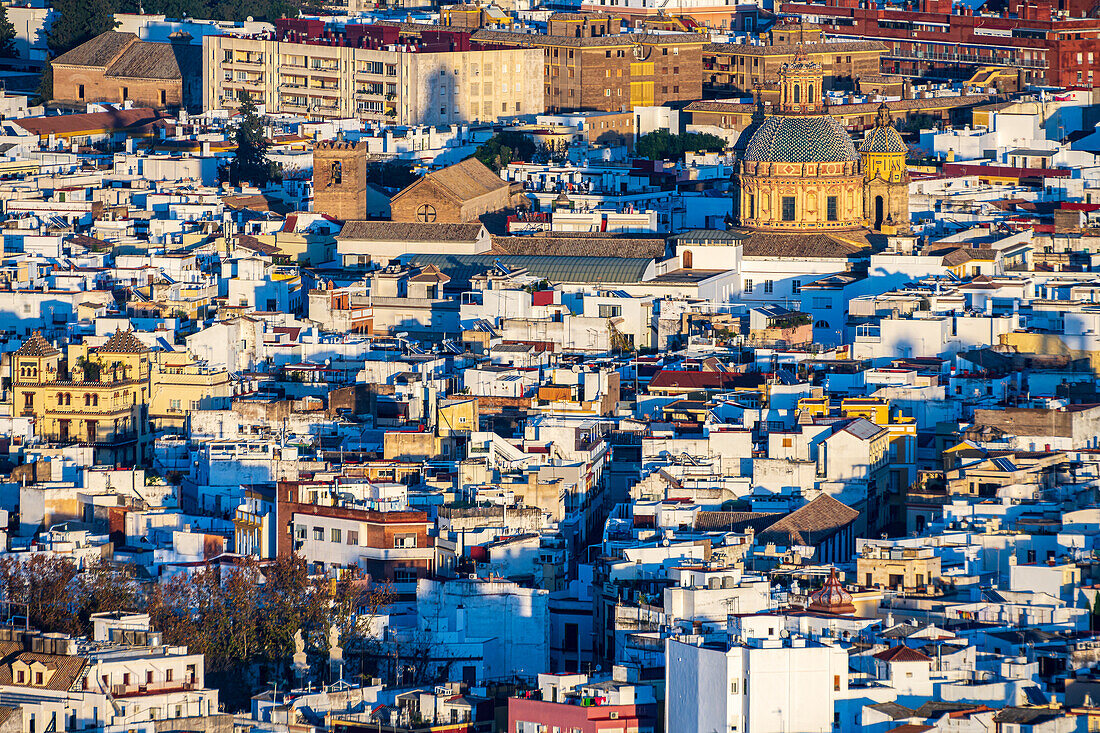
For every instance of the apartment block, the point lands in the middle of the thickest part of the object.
(381, 72)
(592, 64)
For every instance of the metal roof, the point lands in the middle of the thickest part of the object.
(570, 269)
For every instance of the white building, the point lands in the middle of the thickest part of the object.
(759, 685)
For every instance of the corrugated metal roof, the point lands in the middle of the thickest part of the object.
(461, 268)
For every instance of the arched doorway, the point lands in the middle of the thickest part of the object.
(879, 205)
(685, 258)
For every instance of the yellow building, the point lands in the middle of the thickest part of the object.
(97, 397)
(898, 568)
(178, 384)
(800, 170)
(885, 178)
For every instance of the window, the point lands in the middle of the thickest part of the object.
(836, 683)
(748, 286)
(80, 92)
(163, 97)
(788, 208)
(335, 535)
(174, 404)
(300, 532)
(611, 311)
(769, 286)
(830, 208)
(353, 537)
(319, 533)
(796, 286)
(404, 540)
(337, 172)
(733, 687)
(125, 93)
(168, 673)
(787, 442)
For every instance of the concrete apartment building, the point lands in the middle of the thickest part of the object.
(379, 72)
(591, 64)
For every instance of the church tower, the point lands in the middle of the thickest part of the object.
(885, 177)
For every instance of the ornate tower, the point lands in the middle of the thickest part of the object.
(800, 85)
(800, 170)
(885, 177)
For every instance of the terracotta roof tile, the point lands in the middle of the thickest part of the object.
(36, 346)
(123, 342)
(808, 525)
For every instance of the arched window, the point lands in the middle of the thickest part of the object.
(68, 399)
(821, 324)
(797, 93)
(60, 398)
(810, 94)
(87, 400)
(95, 400)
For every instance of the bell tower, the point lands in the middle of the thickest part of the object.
(885, 175)
(800, 83)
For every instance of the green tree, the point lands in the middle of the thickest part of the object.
(45, 84)
(251, 163)
(663, 145)
(79, 21)
(505, 147)
(7, 35)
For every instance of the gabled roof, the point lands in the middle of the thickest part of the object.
(123, 342)
(99, 51)
(66, 670)
(36, 346)
(394, 231)
(123, 55)
(810, 524)
(902, 653)
(462, 182)
(862, 428)
(893, 710)
(678, 379)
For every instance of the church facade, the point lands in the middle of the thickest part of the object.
(801, 172)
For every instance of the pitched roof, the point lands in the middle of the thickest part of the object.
(36, 346)
(801, 246)
(1027, 716)
(733, 521)
(463, 181)
(581, 245)
(395, 231)
(123, 342)
(679, 379)
(893, 710)
(114, 120)
(66, 670)
(99, 51)
(809, 524)
(902, 653)
(147, 60)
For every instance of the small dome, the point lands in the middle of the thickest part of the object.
(883, 139)
(832, 598)
(801, 139)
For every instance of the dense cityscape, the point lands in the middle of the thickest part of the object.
(581, 366)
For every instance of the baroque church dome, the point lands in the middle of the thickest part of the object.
(801, 139)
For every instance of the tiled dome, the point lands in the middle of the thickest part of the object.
(883, 140)
(801, 139)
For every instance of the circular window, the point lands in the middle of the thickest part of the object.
(425, 213)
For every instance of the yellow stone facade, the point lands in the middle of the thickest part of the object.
(97, 397)
(801, 172)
